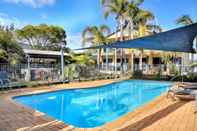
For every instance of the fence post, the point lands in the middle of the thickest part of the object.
(98, 60)
(132, 62)
(28, 68)
(62, 63)
(115, 60)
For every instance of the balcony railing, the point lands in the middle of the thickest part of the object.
(147, 69)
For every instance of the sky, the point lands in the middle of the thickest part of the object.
(75, 15)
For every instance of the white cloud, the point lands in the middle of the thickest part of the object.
(74, 41)
(7, 20)
(32, 3)
(44, 16)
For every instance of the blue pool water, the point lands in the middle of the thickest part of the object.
(94, 107)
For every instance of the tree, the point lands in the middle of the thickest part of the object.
(128, 13)
(117, 8)
(153, 28)
(142, 19)
(83, 59)
(131, 14)
(184, 20)
(96, 36)
(3, 56)
(43, 36)
(10, 50)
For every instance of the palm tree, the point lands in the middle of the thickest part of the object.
(129, 11)
(153, 28)
(131, 14)
(141, 21)
(184, 20)
(96, 36)
(117, 8)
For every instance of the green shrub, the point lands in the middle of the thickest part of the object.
(174, 70)
(192, 77)
(137, 74)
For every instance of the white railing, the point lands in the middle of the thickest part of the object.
(148, 69)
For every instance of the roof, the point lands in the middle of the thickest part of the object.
(176, 40)
(44, 53)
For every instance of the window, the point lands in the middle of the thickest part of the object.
(156, 61)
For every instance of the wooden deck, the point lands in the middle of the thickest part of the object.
(177, 116)
(160, 115)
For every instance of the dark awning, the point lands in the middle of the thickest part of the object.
(177, 40)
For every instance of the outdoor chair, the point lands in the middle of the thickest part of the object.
(181, 93)
(189, 84)
(1, 85)
(6, 83)
(4, 80)
(192, 86)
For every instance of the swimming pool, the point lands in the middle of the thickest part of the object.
(88, 108)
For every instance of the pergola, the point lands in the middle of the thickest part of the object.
(44, 54)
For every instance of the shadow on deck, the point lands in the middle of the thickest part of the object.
(149, 120)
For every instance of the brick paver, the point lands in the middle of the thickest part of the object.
(14, 116)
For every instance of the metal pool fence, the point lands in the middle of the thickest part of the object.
(38, 72)
(52, 72)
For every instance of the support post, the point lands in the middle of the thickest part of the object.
(132, 62)
(182, 65)
(121, 39)
(106, 59)
(28, 77)
(140, 62)
(192, 62)
(150, 64)
(98, 60)
(62, 63)
(115, 61)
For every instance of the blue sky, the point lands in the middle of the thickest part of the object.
(75, 15)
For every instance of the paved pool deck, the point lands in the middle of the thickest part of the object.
(162, 114)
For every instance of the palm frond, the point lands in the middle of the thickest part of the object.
(87, 41)
(103, 2)
(143, 16)
(105, 29)
(106, 14)
(117, 7)
(86, 30)
(154, 28)
(95, 35)
(185, 20)
(193, 65)
(138, 2)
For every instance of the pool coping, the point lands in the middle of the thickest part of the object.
(74, 88)
(108, 126)
(70, 88)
